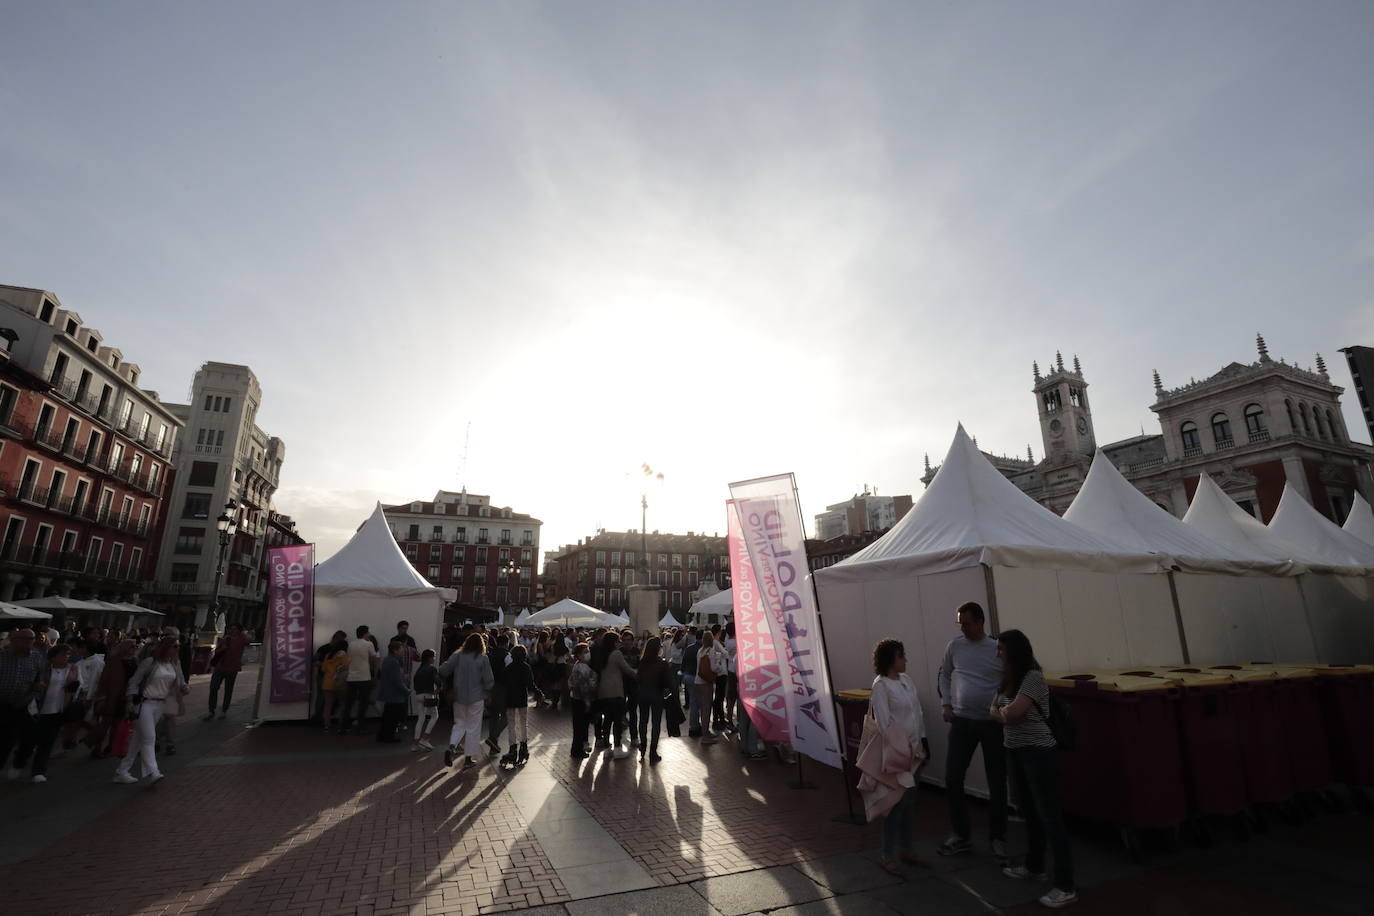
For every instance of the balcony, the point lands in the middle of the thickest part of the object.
(1259, 435)
(505, 542)
(1225, 444)
(1192, 451)
(45, 559)
(482, 540)
(460, 539)
(436, 538)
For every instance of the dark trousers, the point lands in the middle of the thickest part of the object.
(226, 678)
(1035, 771)
(731, 696)
(965, 735)
(392, 715)
(581, 720)
(496, 724)
(16, 729)
(359, 693)
(612, 724)
(718, 720)
(897, 826)
(38, 741)
(632, 712)
(650, 706)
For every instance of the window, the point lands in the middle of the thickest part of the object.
(692, 579)
(143, 426)
(1332, 428)
(677, 561)
(503, 556)
(93, 550)
(615, 557)
(482, 537)
(524, 596)
(55, 488)
(217, 403)
(40, 542)
(144, 517)
(615, 597)
(208, 400)
(190, 540)
(456, 574)
(527, 538)
(185, 572)
(203, 473)
(46, 315)
(136, 464)
(226, 404)
(197, 506)
(663, 599)
(435, 552)
(692, 560)
(461, 535)
(1191, 442)
(14, 528)
(434, 572)
(677, 599)
(600, 576)
(1254, 422)
(219, 438)
(601, 558)
(116, 557)
(505, 535)
(412, 552)
(663, 559)
(8, 398)
(615, 575)
(154, 474)
(525, 574)
(161, 436)
(479, 595)
(1221, 429)
(479, 574)
(79, 495)
(600, 599)
(663, 577)
(527, 556)
(436, 533)
(1317, 422)
(481, 556)
(629, 577)
(501, 594)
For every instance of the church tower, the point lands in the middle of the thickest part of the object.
(1066, 422)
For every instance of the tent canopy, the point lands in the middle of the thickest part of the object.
(58, 603)
(521, 617)
(1216, 515)
(722, 602)
(13, 612)
(573, 613)
(372, 561)
(1297, 522)
(668, 620)
(971, 515)
(1360, 521)
(1108, 505)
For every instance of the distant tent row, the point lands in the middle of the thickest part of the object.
(1116, 582)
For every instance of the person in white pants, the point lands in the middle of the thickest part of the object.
(470, 672)
(157, 680)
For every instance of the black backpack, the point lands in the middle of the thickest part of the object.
(1061, 724)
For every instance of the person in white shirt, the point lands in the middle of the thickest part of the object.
(897, 713)
(157, 682)
(363, 660)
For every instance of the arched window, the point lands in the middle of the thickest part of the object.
(1221, 430)
(1317, 422)
(1332, 427)
(1255, 426)
(1306, 425)
(1292, 420)
(1191, 443)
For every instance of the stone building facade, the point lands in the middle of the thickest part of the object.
(601, 569)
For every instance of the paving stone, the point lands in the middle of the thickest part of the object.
(765, 889)
(849, 905)
(930, 898)
(988, 882)
(662, 901)
(848, 873)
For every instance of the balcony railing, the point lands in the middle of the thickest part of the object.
(436, 538)
(1192, 451)
(1259, 435)
(1224, 444)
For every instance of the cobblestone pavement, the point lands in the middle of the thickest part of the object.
(285, 819)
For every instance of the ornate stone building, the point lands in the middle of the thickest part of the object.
(1252, 426)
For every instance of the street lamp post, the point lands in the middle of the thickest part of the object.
(511, 569)
(227, 524)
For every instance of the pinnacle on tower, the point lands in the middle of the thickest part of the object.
(1030, 456)
(1035, 368)
(1159, 386)
(1263, 348)
(1321, 365)
(1059, 361)
(927, 461)
(1077, 369)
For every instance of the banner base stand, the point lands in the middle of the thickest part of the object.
(801, 782)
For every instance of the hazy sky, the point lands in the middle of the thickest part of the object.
(726, 240)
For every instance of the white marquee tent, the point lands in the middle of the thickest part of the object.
(1360, 521)
(1232, 607)
(369, 581)
(1084, 599)
(1326, 543)
(568, 612)
(521, 617)
(722, 603)
(668, 620)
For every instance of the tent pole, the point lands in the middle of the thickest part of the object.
(989, 586)
(1178, 619)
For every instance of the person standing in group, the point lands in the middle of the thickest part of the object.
(582, 697)
(362, 670)
(688, 670)
(110, 703)
(426, 686)
(498, 655)
(720, 666)
(627, 650)
(655, 680)
(897, 714)
(334, 682)
(515, 686)
(392, 692)
(705, 687)
(321, 682)
(610, 695)
(731, 675)
(469, 670)
(225, 667)
(969, 677)
(157, 680)
(1022, 705)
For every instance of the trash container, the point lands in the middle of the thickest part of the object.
(853, 708)
(1299, 710)
(1209, 732)
(1126, 765)
(1347, 697)
(1268, 776)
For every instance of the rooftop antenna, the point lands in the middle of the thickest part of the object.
(463, 472)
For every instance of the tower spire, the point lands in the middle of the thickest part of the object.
(1077, 369)
(1321, 365)
(1159, 386)
(927, 462)
(1035, 368)
(1262, 347)
(1059, 360)
(1030, 456)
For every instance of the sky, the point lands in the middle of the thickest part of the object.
(532, 248)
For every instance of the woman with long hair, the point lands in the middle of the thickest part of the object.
(655, 680)
(157, 682)
(472, 682)
(897, 714)
(705, 687)
(1022, 705)
(109, 702)
(610, 695)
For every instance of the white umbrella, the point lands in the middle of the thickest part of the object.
(58, 603)
(572, 613)
(15, 612)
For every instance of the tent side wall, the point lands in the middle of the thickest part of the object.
(1341, 609)
(1239, 619)
(346, 609)
(1081, 619)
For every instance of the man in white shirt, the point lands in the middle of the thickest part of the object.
(362, 669)
(970, 676)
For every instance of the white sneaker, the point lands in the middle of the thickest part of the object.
(1022, 873)
(620, 752)
(40, 778)
(124, 779)
(156, 778)
(1057, 898)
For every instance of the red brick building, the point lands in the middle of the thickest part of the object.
(599, 570)
(84, 457)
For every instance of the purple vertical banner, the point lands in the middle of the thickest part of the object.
(291, 620)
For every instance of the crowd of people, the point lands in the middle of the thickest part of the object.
(108, 692)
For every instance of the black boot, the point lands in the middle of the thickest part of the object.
(509, 759)
(524, 753)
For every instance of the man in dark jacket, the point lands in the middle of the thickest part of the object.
(689, 680)
(392, 692)
(496, 724)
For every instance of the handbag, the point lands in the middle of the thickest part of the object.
(119, 741)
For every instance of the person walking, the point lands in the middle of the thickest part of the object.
(426, 686)
(581, 697)
(655, 680)
(392, 692)
(469, 670)
(705, 688)
(516, 685)
(1022, 705)
(23, 678)
(59, 691)
(970, 674)
(110, 703)
(901, 726)
(499, 656)
(225, 666)
(688, 672)
(157, 680)
(362, 669)
(610, 695)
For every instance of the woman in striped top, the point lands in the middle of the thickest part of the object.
(1022, 706)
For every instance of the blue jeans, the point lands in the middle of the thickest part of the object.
(1035, 773)
(749, 741)
(897, 826)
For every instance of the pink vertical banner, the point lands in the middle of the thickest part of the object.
(291, 620)
(761, 686)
